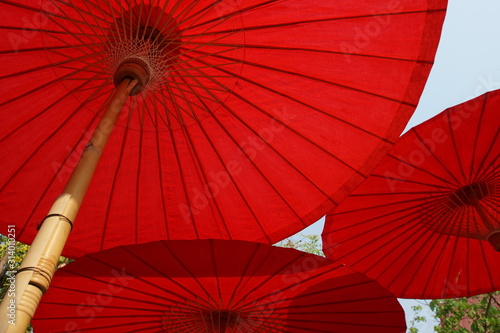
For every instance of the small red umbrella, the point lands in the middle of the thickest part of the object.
(425, 223)
(214, 286)
(247, 104)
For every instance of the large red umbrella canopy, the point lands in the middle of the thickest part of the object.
(420, 224)
(259, 116)
(214, 286)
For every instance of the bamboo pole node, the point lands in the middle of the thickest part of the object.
(64, 218)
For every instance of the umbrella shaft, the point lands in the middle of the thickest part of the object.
(40, 263)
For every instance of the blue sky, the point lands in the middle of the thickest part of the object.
(467, 65)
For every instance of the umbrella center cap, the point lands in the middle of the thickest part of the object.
(139, 50)
(223, 318)
(469, 194)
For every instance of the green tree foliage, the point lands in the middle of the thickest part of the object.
(481, 313)
(306, 243)
(417, 318)
(11, 255)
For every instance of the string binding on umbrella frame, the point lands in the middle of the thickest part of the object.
(39, 271)
(39, 225)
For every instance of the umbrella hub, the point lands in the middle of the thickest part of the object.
(220, 320)
(469, 194)
(136, 68)
(143, 44)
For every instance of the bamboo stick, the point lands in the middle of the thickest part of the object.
(39, 265)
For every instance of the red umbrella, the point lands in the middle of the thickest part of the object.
(247, 104)
(421, 223)
(214, 286)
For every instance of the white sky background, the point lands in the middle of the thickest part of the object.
(467, 65)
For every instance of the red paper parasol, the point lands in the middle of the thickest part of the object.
(214, 286)
(247, 104)
(420, 225)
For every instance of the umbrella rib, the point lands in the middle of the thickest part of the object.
(436, 158)
(113, 185)
(160, 177)
(324, 303)
(305, 49)
(233, 302)
(56, 173)
(485, 261)
(202, 172)
(417, 201)
(42, 111)
(43, 143)
(187, 270)
(295, 132)
(183, 180)
(47, 31)
(165, 118)
(455, 150)
(320, 20)
(44, 85)
(312, 79)
(482, 167)
(112, 190)
(88, 12)
(395, 245)
(139, 278)
(98, 63)
(77, 26)
(230, 175)
(138, 176)
(97, 21)
(89, 45)
(32, 49)
(273, 298)
(297, 259)
(388, 223)
(227, 171)
(245, 299)
(213, 258)
(476, 138)
(450, 266)
(411, 235)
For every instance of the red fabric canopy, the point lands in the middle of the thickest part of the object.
(258, 118)
(214, 286)
(419, 224)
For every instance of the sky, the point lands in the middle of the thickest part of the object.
(467, 65)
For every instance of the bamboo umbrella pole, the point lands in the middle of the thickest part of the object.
(40, 263)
